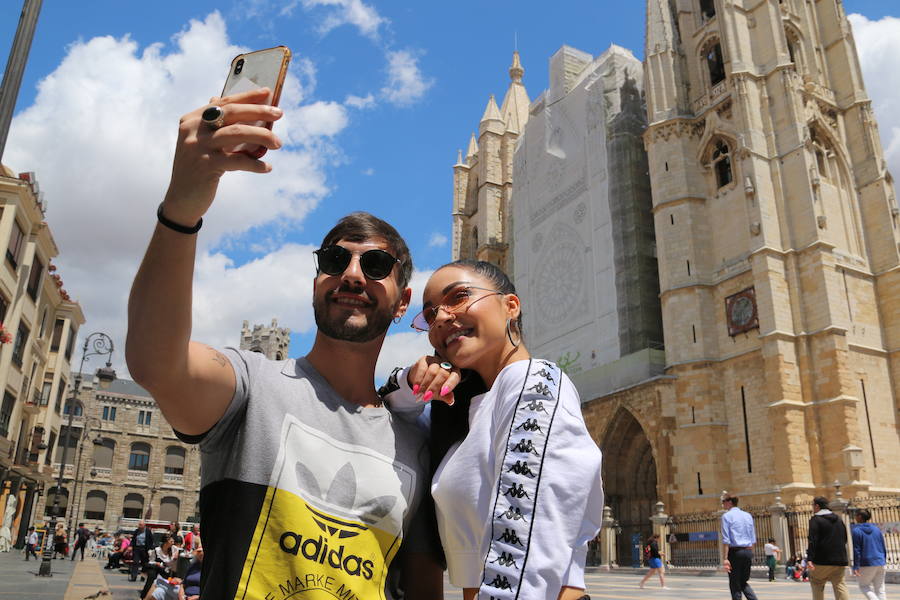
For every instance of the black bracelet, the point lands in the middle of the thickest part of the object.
(175, 226)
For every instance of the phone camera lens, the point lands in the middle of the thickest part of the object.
(239, 67)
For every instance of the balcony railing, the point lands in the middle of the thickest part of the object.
(70, 470)
(173, 478)
(102, 473)
(139, 476)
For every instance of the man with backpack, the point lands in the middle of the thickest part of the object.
(82, 535)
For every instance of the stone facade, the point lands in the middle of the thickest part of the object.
(482, 183)
(42, 322)
(272, 341)
(776, 228)
(776, 238)
(124, 461)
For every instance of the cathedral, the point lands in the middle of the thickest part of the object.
(707, 241)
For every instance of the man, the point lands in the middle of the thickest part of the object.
(30, 542)
(308, 482)
(869, 556)
(826, 556)
(82, 535)
(141, 545)
(192, 538)
(738, 537)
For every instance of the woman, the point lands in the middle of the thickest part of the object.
(654, 561)
(60, 542)
(161, 561)
(192, 577)
(772, 552)
(517, 484)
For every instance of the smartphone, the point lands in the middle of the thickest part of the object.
(254, 70)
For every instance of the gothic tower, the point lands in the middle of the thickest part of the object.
(777, 237)
(482, 182)
(273, 341)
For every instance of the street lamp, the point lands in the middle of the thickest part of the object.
(79, 479)
(95, 344)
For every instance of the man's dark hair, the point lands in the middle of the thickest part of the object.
(81, 524)
(31, 528)
(361, 226)
(864, 514)
(732, 499)
(821, 502)
(771, 540)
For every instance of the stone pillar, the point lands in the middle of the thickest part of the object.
(608, 558)
(841, 507)
(780, 528)
(660, 521)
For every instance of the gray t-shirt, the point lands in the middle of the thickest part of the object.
(302, 490)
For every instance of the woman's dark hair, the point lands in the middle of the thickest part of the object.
(492, 273)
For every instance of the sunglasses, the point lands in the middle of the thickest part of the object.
(375, 264)
(455, 301)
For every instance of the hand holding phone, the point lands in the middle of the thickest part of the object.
(255, 70)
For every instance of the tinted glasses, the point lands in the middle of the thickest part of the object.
(455, 301)
(375, 264)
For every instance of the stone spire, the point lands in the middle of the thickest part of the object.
(514, 110)
(664, 81)
(491, 112)
(473, 148)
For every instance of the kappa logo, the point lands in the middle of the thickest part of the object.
(340, 497)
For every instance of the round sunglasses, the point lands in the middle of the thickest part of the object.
(376, 264)
(455, 301)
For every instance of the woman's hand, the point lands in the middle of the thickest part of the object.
(201, 157)
(430, 378)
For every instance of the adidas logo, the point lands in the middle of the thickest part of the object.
(337, 511)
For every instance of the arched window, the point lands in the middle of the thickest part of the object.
(174, 462)
(707, 9)
(795, 48)
(63, 501)
(139, 460)
(168, 509)
(103, 454)
(133, 506)
(721, 163)
(715, 63)
(79, 408)
(95, 505)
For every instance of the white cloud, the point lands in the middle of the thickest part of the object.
(401, 350)
(359, 101)
(100, 135)
(878, 44)
(406, 83)
(368, 172)
(344, 12)
(438, 240)
(417, 283)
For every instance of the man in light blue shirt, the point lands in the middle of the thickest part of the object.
(738, 537)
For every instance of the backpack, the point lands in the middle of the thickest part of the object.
(647, 553)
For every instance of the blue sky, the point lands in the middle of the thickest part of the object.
(383, 95)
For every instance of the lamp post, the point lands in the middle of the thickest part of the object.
(95, 344)
(79, 477)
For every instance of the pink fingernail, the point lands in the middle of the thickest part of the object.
(427, 396)
(445, 390)
(416, 389)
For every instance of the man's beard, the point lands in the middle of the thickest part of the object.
(340, 328)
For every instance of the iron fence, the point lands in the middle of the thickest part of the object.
(694, 539)
(798, 516)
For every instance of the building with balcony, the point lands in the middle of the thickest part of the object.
(41, 324)
(124, 461)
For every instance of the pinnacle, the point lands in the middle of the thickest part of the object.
(515, 70)
(492, 112)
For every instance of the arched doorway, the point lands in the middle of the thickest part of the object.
(629, 478)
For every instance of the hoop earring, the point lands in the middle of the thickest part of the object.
(509, 334)
(397, 319)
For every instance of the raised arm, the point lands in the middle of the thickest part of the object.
(192, 383)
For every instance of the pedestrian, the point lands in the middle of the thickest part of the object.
(349, 477)
(738, 538)
(31, 541)
(826, 556)
(773, 553)
(654, 561)
(141, 546)
(790, 566)
(60, 541)
(869, 556)
(82, 535)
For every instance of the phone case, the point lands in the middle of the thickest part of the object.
(262, 68)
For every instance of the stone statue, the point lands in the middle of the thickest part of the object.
(5, 534)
